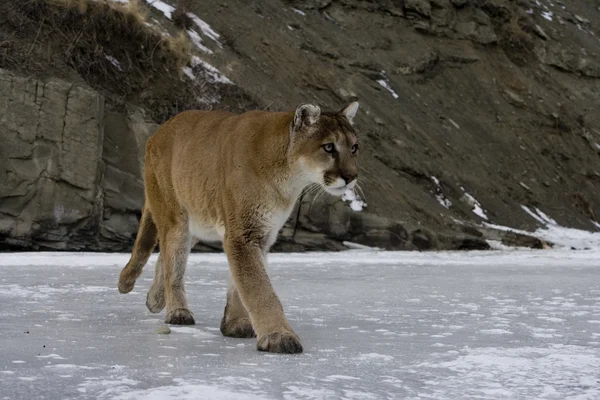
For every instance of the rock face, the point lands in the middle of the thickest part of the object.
(70, 169)
(73, 176)
(471, 112)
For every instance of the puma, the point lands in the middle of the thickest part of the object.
(218, 176)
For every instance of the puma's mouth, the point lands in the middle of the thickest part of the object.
(341, 188)
(337, 191)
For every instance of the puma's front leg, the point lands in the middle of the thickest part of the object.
(155, 299)
(256, 292)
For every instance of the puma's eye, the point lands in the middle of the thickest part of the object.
(354, 148)
(329, 148)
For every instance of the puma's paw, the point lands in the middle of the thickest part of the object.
(155, 300)
(126, 281)
(180, 316)
(280, 342)
(237, 328)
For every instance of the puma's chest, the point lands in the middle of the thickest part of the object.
(274, 222)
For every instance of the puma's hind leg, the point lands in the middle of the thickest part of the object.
(175, 246)
(142, 250)
(236, 321)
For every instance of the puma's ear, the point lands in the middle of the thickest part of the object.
(306, 115)
(350, 111)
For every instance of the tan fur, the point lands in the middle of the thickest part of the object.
(217, 176)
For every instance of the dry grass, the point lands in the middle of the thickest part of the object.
(110, 46)
(181, 47)
(180, 17)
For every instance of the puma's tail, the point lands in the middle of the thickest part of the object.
(142, 249)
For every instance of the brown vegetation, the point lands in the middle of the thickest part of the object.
(107, 44)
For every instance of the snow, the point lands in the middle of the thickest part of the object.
(560, 236)
(358, 246)
(213, 74)
(374, 324)
(197, 40)
(205, 28)
(547, 15)
(552, 232)
(356, 203)
(454, 123)
(443, 201)
(188, 71)
(114, 62)
(387, 86)
(439, 195)
(299, 12)
(477, 208)
(163, 7)
(539, 216)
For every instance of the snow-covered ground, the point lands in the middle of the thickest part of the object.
(481, 325)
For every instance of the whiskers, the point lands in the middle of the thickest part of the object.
(360, 190)
(315, 190)
(311, 189)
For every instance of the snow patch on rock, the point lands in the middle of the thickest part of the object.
(356, 203)
(477, 208)
(205, 28)
(213, 74)
(163, 7)
(386, 85)
(439, 194)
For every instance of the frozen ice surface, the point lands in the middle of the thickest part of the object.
(374, 325)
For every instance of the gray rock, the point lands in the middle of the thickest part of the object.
(480, 33)
(540, 32)
(70, 169)
(570, 61)
(518, 240)
(513, 98)
(333, 218)
(52, 135)
(421, 7)
(163, 330)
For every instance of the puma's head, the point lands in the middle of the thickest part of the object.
(325, 146)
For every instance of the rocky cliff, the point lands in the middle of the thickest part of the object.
(71, 166)
(472, 112)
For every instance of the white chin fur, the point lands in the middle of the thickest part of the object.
(336, 191)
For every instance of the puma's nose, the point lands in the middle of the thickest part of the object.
(348, 178)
